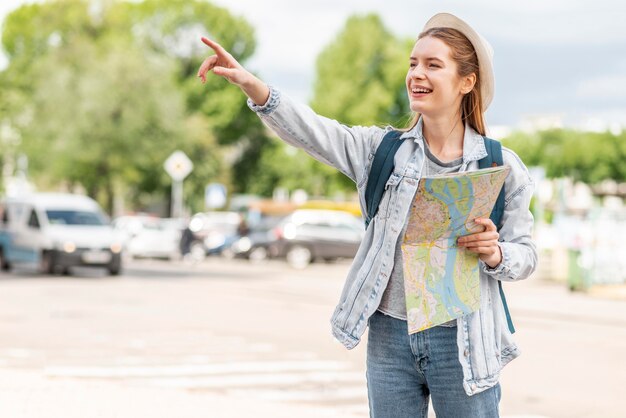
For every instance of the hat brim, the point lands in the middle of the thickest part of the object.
(483, 49)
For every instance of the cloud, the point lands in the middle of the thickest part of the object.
(609, 88)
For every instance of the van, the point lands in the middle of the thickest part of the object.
(54, 232)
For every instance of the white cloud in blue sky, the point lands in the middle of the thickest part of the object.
(558, 56)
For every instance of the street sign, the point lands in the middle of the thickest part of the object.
(178, 165)
(215, 195)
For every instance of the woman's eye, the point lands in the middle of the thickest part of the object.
(434, 65)
(411, 65)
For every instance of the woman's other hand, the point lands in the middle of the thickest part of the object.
(225, 65)
(485, 243)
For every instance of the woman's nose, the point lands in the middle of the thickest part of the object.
(416, 72)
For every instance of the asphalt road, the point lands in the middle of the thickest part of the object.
(234, 339)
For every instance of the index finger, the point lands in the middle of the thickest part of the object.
(214, 45)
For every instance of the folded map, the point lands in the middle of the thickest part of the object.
(441, 280)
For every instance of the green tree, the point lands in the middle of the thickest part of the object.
(360, 81)
(360, 75)
(98, 121)
(103, 91)
(585, 156)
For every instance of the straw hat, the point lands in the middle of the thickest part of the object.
(483, 49)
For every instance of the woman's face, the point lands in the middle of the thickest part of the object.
(432, 68)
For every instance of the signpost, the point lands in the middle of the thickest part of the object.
(214, 196)
(178, 166)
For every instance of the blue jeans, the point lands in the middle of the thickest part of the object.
(404, 370)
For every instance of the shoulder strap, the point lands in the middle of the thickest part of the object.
(493, 159)
(381, 169)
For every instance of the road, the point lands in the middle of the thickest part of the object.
(234, 339)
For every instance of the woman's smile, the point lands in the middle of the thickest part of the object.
(417, 92)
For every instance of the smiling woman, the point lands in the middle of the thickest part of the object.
(449, 85)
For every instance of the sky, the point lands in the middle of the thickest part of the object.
(557, 60)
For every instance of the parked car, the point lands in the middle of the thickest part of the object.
(307, 235)
(145, 236)
(209, 233)
(255, 245)
(55, 231)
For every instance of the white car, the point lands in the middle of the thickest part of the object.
(146, 236)
(56, 231)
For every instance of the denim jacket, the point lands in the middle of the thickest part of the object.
(484, 341)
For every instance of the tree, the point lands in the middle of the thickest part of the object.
(585, 156)
(360, 75)
(103, 91)
(98, 121)
(360, 79)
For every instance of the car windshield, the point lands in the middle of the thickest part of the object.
(74, 217)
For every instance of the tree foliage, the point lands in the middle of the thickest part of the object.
(359, 81)
(585, 156)
(102, 92)
(360, 75)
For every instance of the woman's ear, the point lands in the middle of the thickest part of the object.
(468, 83)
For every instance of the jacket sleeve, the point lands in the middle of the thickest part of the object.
(519, 252)
(347, 148)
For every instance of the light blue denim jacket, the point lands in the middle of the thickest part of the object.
(484, 340)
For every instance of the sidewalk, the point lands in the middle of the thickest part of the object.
(26, 394)
(552, 299)
(608, 291)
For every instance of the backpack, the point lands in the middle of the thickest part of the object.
(383, 166)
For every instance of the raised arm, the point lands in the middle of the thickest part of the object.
(347, 148)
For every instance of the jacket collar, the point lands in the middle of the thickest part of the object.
(473, 142)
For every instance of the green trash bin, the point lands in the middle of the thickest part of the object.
(577, 277)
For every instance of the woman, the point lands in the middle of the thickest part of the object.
(449, 85)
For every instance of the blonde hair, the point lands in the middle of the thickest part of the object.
(463, 53)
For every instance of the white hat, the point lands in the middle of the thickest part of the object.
(483, 49)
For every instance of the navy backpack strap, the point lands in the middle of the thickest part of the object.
(494, 158)
(382, 167)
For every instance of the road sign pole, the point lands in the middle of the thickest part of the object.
(178, 166)
(177, 198)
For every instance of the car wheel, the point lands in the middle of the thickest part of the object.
(4, 264)
(115, 266)
(46, 263)
(258, 254)
(228, 253)
(299, 256)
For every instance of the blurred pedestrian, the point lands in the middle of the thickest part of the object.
(242, 228)
(450, 84)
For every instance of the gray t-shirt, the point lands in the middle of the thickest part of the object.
(393, 302)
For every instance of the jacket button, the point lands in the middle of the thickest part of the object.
(466, 353)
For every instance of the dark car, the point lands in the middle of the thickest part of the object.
(209, 233)
(307, 235)
(255, 244)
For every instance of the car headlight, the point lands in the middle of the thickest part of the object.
(244, 244)
(69, 247)
(289, 232)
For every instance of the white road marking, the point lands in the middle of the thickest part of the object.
(222, 382)
(356, 392)
(193, 369)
